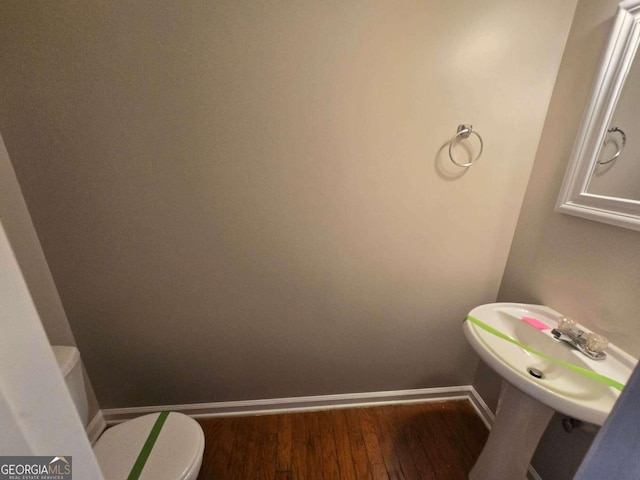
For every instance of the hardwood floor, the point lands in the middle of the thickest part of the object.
(434, 441)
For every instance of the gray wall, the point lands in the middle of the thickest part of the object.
(243, 199)
(587, 270)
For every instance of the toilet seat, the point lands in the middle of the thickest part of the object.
(176, 454)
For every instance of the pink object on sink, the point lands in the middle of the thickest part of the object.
(535, 323)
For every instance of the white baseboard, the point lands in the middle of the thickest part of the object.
(96, 427)
(532, 474)
(484, 412)
(298, 404)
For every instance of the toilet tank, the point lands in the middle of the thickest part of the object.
(71, 367)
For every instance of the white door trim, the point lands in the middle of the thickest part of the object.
(37, 413)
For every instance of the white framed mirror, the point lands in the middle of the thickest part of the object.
(602, 181)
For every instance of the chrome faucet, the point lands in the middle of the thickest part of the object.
(590, 344)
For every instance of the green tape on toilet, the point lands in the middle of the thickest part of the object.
(136, 470)
(575, 368)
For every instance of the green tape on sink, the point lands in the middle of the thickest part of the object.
(582, 371)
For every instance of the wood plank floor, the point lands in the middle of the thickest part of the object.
(434, 441)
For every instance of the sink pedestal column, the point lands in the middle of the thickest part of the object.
(520, 422)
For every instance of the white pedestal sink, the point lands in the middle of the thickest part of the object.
(527, 403)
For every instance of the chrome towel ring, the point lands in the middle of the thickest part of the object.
(620, 148)
(464, 131)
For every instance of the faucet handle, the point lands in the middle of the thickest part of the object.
(565, 324)
(596, 343)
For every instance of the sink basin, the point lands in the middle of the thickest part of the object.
(541, 375)
(562, 389)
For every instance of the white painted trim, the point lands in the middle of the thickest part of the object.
(532, 474)
(319, 402)
(34, 400)
(96, 427)
(482, 409)
(300, 404)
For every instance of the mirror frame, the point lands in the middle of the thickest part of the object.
(615, 63)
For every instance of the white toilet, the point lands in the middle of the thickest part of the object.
(176, 454)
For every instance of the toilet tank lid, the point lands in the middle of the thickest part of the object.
(67, 357)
